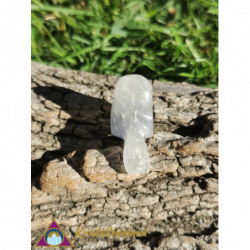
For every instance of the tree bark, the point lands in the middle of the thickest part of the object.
(79, 177)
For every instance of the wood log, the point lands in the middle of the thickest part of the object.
(79, 177)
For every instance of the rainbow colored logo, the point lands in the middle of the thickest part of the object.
(53, 237)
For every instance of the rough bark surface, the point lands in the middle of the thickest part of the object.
(79, 177)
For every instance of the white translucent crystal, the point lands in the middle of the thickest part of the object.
(132, 120)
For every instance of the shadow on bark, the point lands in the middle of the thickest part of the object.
(188, 131)
(82, 130)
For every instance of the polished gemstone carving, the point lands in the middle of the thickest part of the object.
(132, 120)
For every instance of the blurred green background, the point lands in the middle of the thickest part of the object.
(165, 40)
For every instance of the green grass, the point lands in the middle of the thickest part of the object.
(170, 40)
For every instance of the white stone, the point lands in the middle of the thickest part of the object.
(132, 120)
